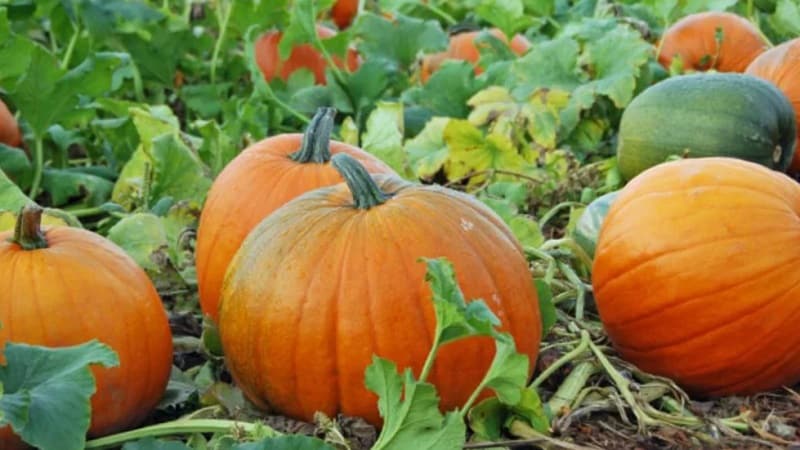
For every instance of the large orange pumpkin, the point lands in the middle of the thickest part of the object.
(693, 275)
(9, 130)
(343, 13)
(781, 66)
(303, 56)
(694, 39)
(334, 277)
(66, 286)
(257, 182)
(462, 47)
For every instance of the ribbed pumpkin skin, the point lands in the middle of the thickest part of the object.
(83, 287)
(694, 39)
(781, 66)
(691, 278)
(9, 130)
(462, 47)
(343, 13)
(731, 115)
(257, 182)
(320, 286)
(303, 56)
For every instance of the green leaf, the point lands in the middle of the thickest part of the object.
(617, 59)
(410, 411)
(508, 372)
(218, 149)
(455, 318)
(507, 15)
(471, 151)
(447, 91)
(302, 26)
(11, 197)
(45, 95)
(73, 185)
(47, 391)
(486, 419)
(427, 152)
(152, 444)
(399, 40)
(530, 408)
(550, 64)
(14, 162)
(384, 136)
(291, 442)
(786, 19)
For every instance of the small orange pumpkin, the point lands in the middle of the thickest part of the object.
(303, 56)
(462, 47)
(261, 179)
(343, 13)
(781, 66)
(334, 277)
(66, 286)
(692, 275)
(694, 39)
(9, 129)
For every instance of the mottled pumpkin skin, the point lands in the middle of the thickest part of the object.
(462, 47)
(303, 56)
(343, 13)
(781, 66)
(257, 182)
(320, 286)
(693, 38)
(690, 275)
(9, 130)
(84, 287)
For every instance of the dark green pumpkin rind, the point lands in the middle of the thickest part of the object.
(587, 229)
(700, 115)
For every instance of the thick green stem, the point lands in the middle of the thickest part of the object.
(71, 47)
(572, 386)
(28, 229)
(582, 347)
(177, 427)
(426, 369)
(366, 193)
(38, 166)
(317, 138)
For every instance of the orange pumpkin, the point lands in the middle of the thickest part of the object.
(692, 275)
(257, 182)
(781, 66)
(695, 40)
(343, 13)
(303, 56)
(334, 277)
(462, 47)
(9, 130)
(66, 286)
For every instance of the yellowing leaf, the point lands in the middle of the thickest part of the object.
(384, 136)
(427, 152)
(472, 152)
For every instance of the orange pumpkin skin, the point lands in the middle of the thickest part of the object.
(693, 38)
(9, 130)
(781, 66)
(320, 286)
(83, 287)
(303, 56)
(690, 275)
(343, 13)
(462, 47)
(257, 182)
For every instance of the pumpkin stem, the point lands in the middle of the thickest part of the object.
(366, 192)
(28, 229)
(317, 138)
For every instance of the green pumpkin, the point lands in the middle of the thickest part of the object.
(709, 114)
(587, 229)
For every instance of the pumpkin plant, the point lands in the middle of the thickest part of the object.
(258, 181)
(731, 114)
(64, 286)
(334, 277)
(303, 56)
(715, 40)
(9, 129)
(690, 275)
(463, 47)
(781, 66)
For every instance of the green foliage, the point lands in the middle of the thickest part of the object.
(46, 391)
